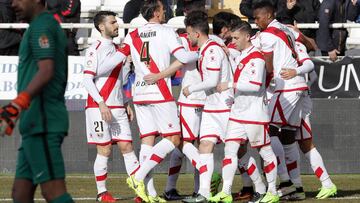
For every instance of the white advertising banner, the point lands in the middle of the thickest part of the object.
(8, 78)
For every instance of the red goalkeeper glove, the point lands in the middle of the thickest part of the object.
(11, 112)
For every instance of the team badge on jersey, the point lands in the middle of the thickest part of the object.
(44, 42)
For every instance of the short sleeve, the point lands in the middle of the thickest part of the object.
(173, 41)
(42, 42)
(301, 52)
(213, 58)
(90, 66)
(266, 43)
(125, 46)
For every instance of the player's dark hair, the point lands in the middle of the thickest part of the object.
(43, 2)
(267, 5)
(194, 5)
(224, 19)
(149, 7)
(100, 16)
(243, 27)
(198, 20)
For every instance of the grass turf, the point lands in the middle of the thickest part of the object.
(83, 186)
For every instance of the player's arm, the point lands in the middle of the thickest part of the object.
(177, 50)
(212, 72)
(42, 45)
(171, 70)
(91, 67)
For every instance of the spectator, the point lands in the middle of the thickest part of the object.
(10, 38)
(67, 11)
(299, 11)
(330, 41)
(183, 5)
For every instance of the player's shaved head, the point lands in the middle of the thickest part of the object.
(100, 17)
(267, 6)
(198, 20)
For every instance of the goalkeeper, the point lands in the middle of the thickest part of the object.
(40, 104)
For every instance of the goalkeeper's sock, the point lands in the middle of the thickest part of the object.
(64, 198)
(158, 153)
(131, 163)
(148, 181)
(100, 171)
(317, 164)
(174, 169)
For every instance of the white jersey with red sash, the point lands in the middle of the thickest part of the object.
(99, 58)
(213, 58)
(250, 107)
(280, 41)
(150, 47)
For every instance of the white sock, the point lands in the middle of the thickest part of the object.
(100, 171)
(148, 181)
(192, 153)
(229, 165)
(159, 152)
(131, 163)
(243, 165)
(317, 164)
(253, 172)
(174, 169)
(280, 156)
(206, 171)
(292, 159)
(196, 180)
(270, 165)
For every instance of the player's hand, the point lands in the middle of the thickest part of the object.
(186, 91)
(151, 78)
(287, 73)
(11, 112)
(333, 55)
(290, 4)
(222, 86)
(294, 27)
(129, 112)
(105, 112)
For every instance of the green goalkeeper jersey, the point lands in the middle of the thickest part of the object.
(44, 39)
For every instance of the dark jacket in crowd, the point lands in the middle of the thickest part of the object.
(10, 38)
(304, 11)
(67, 11)
(334, 11)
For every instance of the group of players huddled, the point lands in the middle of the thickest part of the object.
(237, 88)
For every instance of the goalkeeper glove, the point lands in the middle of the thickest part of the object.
(11, 112)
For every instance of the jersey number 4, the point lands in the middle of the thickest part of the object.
(144, 53)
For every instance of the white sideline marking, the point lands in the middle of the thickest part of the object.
(91, 198)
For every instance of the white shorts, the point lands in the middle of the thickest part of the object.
(190, 118)
(100, 132)
(213, 125)
(157, 119)
(256, 133)
(304, 132)
(286, 108)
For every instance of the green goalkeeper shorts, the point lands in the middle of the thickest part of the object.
(40, 158)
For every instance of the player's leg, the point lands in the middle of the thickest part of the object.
(259, 138)
(121, 134)
(306, 145)
(98, 133)
(48, 168)
(23, 188)
(176, 158)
